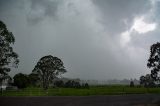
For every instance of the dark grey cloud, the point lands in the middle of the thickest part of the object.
(85, 34)
(115, 12)
(40, 9)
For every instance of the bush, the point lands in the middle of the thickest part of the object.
(59, 83)
(72, 84)
(85, 85)
(68, 84)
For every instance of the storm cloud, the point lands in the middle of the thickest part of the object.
(96, 39)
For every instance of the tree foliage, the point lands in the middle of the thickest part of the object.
(21, 80)
(154, 61)
(48, 68)
(147, 81)
(7, 55)
(33, 79)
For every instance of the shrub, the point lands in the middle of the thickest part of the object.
(59, 83)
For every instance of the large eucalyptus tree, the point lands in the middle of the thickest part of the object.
(8, 57)
(48, 68)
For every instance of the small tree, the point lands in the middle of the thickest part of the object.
(7, 55)
(131, 84)
(142, 80)
(21, 80)
(48, 68)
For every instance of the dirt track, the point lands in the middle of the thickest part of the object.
(121, 100)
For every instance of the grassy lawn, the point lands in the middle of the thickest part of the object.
(93, 90)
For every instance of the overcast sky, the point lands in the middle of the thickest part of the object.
(96, 39)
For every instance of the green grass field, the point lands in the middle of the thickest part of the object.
(93, 90)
